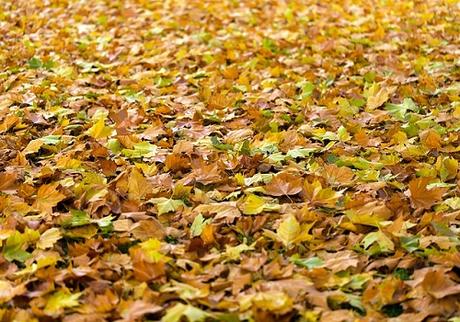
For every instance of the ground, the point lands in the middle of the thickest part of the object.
(229, 160)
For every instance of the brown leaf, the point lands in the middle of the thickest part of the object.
(338, 175)
(438, 284)
(284, 184)
(7, 180)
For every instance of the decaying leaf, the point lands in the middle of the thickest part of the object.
(229, 160)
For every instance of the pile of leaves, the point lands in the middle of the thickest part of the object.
(229, 160)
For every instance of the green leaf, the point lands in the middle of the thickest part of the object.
(114, 145)
(342, 134)
(402, 274)
(105, 224)
(35, 63)
(51, 139)
(301, 152)
(306, 88)
(357, 282)
(199, 223)
(220, 146)
(142, 149)
(163, 81)
(399, 111)
(359, 163)
(13, 249)
(79, 218)
(310, 263)
(270, 45)
(379, 241)
(410, 243)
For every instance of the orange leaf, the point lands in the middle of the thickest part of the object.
(338, 175)
(421, 197)
(431, 139)
(48, 197)
(7, 180)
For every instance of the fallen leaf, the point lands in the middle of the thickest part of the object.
(47, 197)
(49, 238)
(284, 184)
(420, 196)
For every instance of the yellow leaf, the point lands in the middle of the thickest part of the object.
(49, 238)
(253, 205)
(378, 96)
(319, 196)
(47, 197)
(137, 185)
(99, 130)
(33, 147)
(274, 301)
(288, 230)
(59, 301)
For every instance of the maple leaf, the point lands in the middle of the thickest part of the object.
(142, 149)
(338, 175)
(133, 310)
(370, 214)
(185, 291)
(315, 193)
(431, 139)
(33, 147)
(284, 184)
(378, 95)
(198, 225)
(379, 241)
(60, 300)
(47, 197)
(288, 230)
(166, 205)
(7, 180)
(15, 246)
(137, 185)
(438, 284)
(421, 196)
(9, 291)
(253, 205)
(49, 238)
(193, 314)
(274, 301)
(99, 130)
(399, 110)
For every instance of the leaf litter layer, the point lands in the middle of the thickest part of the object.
(229, 160)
